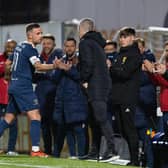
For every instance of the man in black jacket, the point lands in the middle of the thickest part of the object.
(96, 81)
(125, 74)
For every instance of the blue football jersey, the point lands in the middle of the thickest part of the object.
(24, 56)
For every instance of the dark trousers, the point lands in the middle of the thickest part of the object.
(125, 122)
(144, 122)
(60, 133)
(48, 126)
(76, 135)
(48, 132)
(101, 123)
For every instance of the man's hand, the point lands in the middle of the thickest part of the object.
(8, 65)
(60, 65)
(56, 62)
(148, 66)
(154, 68)
(85, 85)
(108, 62)
(160, 68)
(66, 67)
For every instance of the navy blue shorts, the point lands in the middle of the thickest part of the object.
(22, 102)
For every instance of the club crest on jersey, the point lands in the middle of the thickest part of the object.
(124, 59)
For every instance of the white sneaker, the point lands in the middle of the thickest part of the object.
(72, 157)
(12, 153)
(109, 158)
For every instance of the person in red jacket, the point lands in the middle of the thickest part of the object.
(159, 80)
(9, 47)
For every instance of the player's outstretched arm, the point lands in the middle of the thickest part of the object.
(44, 67)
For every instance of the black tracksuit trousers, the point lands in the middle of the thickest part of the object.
(125, 122)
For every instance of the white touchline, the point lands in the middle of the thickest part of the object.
(28, 165)
(42, 166)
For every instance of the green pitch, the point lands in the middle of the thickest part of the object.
(25, 161)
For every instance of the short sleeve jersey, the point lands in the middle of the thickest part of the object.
(24, 56)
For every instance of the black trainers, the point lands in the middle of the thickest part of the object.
(89, 157)
(108, 157)
(133, 164)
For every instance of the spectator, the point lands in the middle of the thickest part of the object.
(159, 68)
(145, 116)
(111, 50)
(96, 81)
(111, 56)
(46, 90)
(22, 97)
(125, 73)
(71, 103)
(9, 47)
(160, 81)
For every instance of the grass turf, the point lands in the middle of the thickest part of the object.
(25, 161)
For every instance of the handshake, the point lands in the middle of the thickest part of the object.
(59, 64)
(153, 67)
